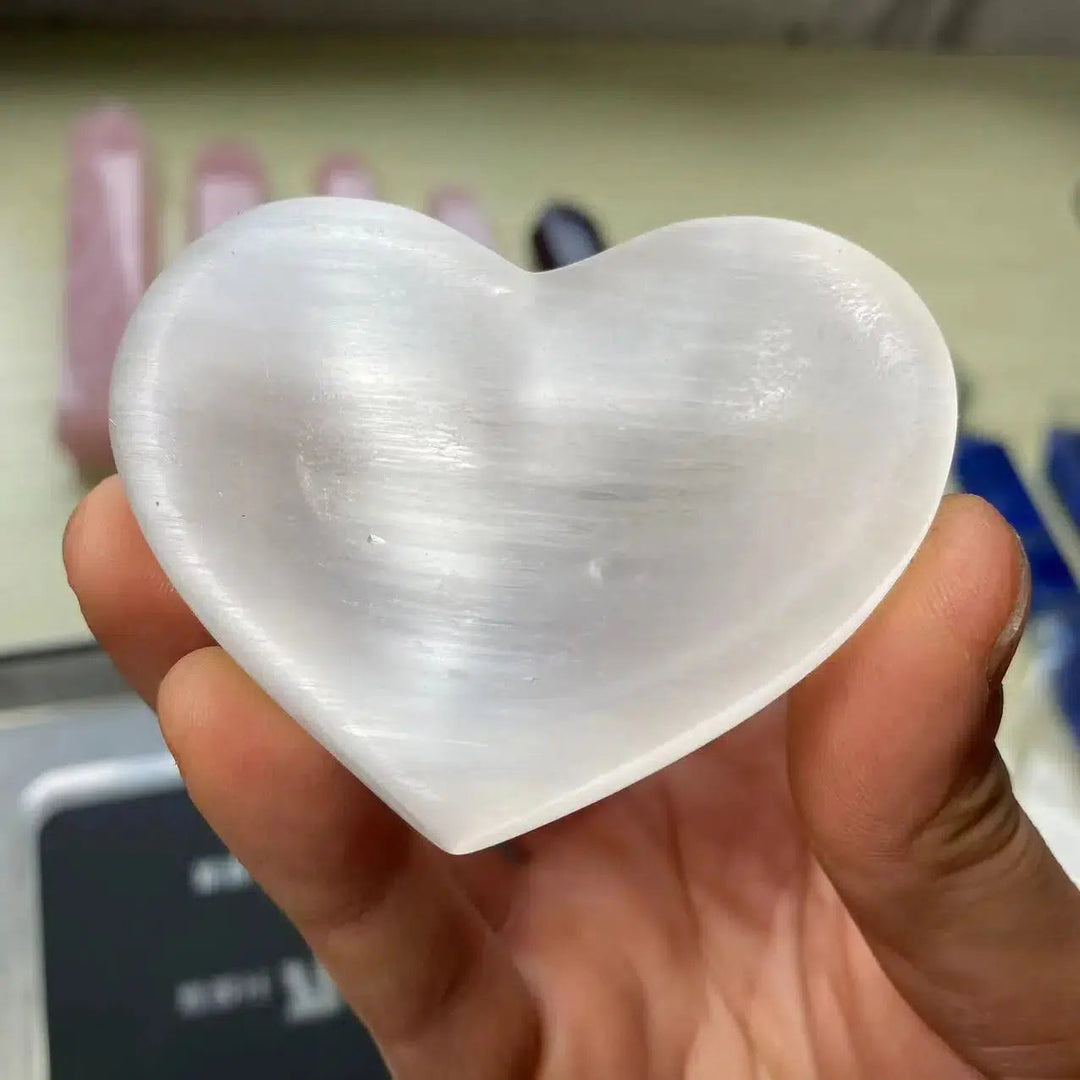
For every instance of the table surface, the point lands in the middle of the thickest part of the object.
(959, 171)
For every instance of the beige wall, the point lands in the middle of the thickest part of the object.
(991, 25)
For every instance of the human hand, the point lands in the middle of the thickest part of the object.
(842, 887)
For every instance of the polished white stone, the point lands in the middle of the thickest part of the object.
(508, 542)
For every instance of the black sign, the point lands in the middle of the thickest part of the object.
(163, 961)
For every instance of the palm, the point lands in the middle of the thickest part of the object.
(682, 929)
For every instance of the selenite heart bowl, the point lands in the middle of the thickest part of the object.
(507, 542)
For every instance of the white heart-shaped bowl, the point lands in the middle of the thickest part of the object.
(507, 542)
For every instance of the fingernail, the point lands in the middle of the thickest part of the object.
(1005, 647)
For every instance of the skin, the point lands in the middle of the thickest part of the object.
(842, 887)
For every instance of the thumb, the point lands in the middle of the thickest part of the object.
(910, 811)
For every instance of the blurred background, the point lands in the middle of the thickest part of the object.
(944, 135)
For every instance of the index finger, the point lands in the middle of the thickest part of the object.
(128, 603)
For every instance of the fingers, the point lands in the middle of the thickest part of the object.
(910, 811)
(379, 907)
(144, 625)
(147, 629)
(126, 600)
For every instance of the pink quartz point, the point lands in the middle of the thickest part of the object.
(111, 256)
(229, 179)
(347, 177)
(459, 208)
